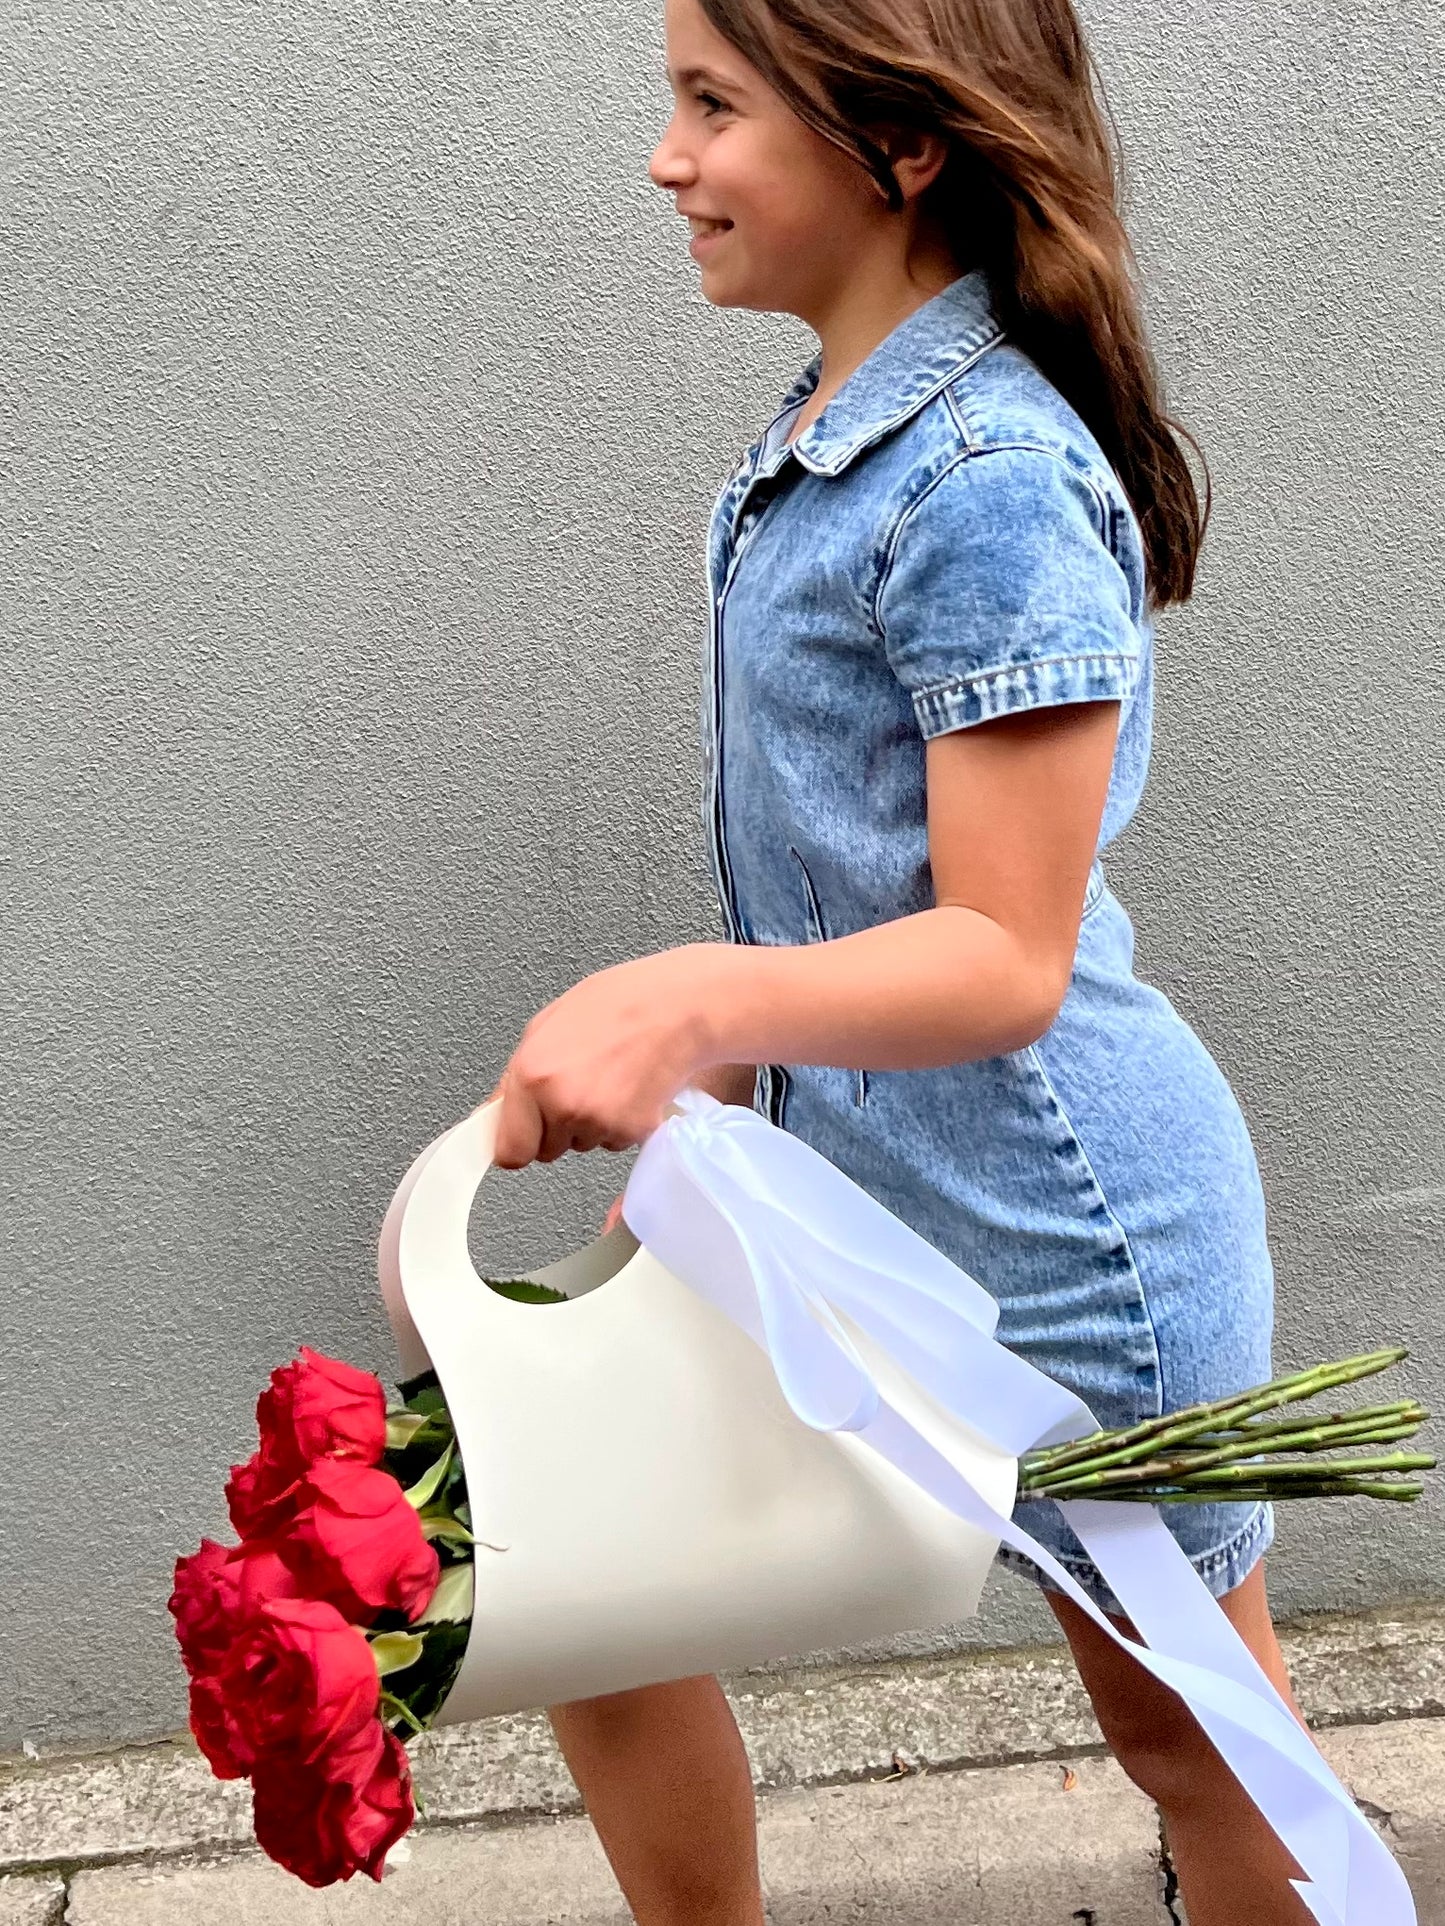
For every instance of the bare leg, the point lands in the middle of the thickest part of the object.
(666, 1782)
(1232, 1869)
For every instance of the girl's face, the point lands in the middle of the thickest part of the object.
(781, 218)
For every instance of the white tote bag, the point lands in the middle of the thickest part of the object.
(769, 1419)
(647, 1504)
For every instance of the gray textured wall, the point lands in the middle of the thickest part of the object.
(360, 425)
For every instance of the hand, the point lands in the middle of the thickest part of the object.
(597, 1068)
(613, 1214)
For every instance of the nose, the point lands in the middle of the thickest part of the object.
(670, 167)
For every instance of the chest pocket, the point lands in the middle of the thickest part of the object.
(817, 933)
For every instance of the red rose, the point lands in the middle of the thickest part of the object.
(259, 1496)
(299, 1680)
(316, 1407)
(213, 1728)
(203, 1605)
(261, 1575)
(216, 1590)
(339, 1817)
(354, 1541)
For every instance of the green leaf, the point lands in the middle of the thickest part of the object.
(395, 1651)
(430, 1481)
(522, 1291)
(452, 1599)
(447, 1528)
(402, 1427)
(425, 1688)
(428, 1400)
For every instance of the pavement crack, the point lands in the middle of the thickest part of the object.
(1380, 1817)
(1169, 1892)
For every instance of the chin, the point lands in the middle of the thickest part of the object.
(721, 296)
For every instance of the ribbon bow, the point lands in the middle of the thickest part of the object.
(842, 1294)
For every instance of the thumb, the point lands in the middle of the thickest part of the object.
(492, 1094)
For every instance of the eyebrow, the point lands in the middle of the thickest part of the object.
(690, 75)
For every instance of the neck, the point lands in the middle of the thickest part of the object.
(852, 319)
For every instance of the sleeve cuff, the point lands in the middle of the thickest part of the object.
(1046, 682)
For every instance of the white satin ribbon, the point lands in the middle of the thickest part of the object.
(820, 1273)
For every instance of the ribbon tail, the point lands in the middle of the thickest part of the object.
(1353, 1873)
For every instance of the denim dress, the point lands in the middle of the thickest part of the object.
(947, 543)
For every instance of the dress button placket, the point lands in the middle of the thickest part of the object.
(744, 527)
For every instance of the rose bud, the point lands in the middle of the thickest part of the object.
(299, 1680)
(354, 1541)
(341, 1816)
(320, 1407)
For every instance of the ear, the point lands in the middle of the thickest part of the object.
(918, 157)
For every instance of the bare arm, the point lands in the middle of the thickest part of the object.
(1014, 808)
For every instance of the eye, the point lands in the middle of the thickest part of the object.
(712, 101)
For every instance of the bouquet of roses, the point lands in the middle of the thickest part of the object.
(338, 1623)
(336, 1627)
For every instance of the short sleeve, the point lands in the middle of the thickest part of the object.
(1001, 593)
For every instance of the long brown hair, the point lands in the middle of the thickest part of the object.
(1028, 193)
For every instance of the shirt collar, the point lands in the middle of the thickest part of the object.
(907, 368)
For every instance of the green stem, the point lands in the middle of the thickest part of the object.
(1178, 1427)
(1339, 1468)
(1249, 1446)
(1405, 1409)
(402, 1711)
(1212, 1472)
(1405, 1492)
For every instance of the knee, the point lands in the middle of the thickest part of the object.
(1167, 1756)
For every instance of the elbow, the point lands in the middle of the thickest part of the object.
(1018, 986)
(1041, 992)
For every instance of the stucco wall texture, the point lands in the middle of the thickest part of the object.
(361, 419)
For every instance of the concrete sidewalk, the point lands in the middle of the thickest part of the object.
(1046, 1845)
(967, 1790)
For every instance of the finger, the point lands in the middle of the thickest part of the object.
(519, 1130)
(583, 1135)
(559, 1135)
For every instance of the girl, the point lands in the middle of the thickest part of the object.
(928, 709)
